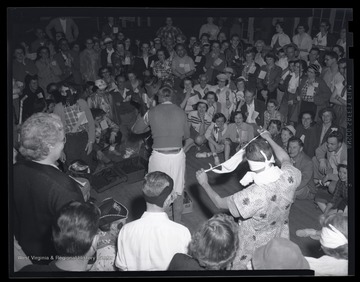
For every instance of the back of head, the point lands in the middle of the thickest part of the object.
(157, 187)
(165, 93)
(75, 228)
(252, 151)
(37, 133)
(279, 253)
(214, 245)
(334, 235)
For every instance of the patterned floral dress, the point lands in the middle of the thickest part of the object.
(264, 211)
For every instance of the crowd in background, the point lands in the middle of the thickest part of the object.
(229, 89)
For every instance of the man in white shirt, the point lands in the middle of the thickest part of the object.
(253, 109)
(150, 242)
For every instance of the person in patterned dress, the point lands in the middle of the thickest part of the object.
(263, 207)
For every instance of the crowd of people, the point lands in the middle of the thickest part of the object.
(209, 94)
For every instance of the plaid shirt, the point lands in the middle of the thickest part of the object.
(305, 96)
(341, 193)
(71, 118)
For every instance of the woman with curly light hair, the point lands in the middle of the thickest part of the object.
(40, 189)
(212, 247)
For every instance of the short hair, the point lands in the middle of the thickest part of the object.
(38, 51)
(97, 112)
(315, 49)
(304, 25)
(215, 243)
(276, 122)
(340, 222)
(155, 182)
(271, 55)
(260, 41)
(38, 132)
(311, 113)
(336, 134)
(101, 69)
(328, 109)
(218, 115)
(201, 102)
(205, 34)
(75, 228)
(341, 49)
(17, 47)
(273, 101)
(28, 78)
(211, 93)
(327, 22)
(296, 139)
(331, 54)
(341, 165)
(302, 63)
(252, 150)
(250, 51)
(280, 23)
(164, 50)
(165, 92)
(233, 114)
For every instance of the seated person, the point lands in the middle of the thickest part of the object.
(212, 247)
(306, 189)
(326, 160)
(107, 134)
(74, 236)
(334, 243)
(339, 201)
(189, 96)
(237, 135)
(274, 128)
(286, 133)
(199, 120)
(215, 136)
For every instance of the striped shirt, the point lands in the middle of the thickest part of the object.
(195, 121)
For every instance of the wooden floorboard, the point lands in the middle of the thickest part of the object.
(303, 213)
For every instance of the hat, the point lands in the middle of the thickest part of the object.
(241, 78)
(157, 39)
(315, 67)
(111, 210)
(228, 69)
(221, 77)
(291, 128)
(107, 40)
(279, 253)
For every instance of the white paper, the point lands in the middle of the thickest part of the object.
(316, 84)
(302, 138)
(127, 60)
(310, 91)
(104, 124)
(218, 61)
(40, 95)
(152, 64)
(198, 59)
(115, 29)
(82, 117)
(254, 115)
(252, 69)
(181, 65)
(285, 75)
(187, 67)
(262, 74)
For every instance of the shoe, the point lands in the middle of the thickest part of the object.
(203, 155)
(305, 232)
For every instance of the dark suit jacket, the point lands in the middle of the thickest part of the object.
(275, 76)
(259, 107)
(140, 66)
(318, 128)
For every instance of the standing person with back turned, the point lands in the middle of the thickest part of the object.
(263, 207)
(169, 127)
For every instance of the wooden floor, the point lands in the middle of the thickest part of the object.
(303, 213)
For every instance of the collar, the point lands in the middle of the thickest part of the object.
(339, 151)
(192, 91)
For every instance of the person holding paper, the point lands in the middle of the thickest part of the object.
(251, 69)
(182, 65)
(263, 207)
(215, 62)
(253, 109)
(313, 93)
(269, 78)
(145, 62)
(198, 58)
(78, 123)
(235, 54)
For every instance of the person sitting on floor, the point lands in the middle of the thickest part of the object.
(326, 160)
(150, 242)
(212, 247)
(334, 243)
(339, 201)
(107, 134)
(306, 189)
(215, 136)
(75, 239)
(199, 120)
